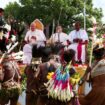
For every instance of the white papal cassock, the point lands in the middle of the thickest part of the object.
(81, 34)
(39, 41)
(38, 34)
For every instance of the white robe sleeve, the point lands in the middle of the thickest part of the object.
(40, 38)
(70, 36)
(65, 37)
(42, 35)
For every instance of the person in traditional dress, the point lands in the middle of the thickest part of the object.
(35, 39)
(2, 30)
(34, 82)
(97, 79)
(78, 39)
(49, 67)
(10, 78)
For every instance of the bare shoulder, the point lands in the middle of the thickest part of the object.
(42, 65)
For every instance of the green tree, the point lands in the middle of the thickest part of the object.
(64, 12)
(12, 10)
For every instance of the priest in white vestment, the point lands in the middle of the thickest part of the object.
(78, 39)
(59, 37)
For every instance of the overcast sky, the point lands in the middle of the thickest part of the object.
(100, 4)
(97, 3)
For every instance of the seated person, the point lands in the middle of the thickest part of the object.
(35, 38)
(59, 36)
(58, 40)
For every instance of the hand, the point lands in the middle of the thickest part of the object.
(33, 40)
(76, 40)
(33, 37)
(85, 42)
(80, 40)
(88, 69)
(81, 81)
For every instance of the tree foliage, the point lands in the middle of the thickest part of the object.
(12, 10)
(65, 12)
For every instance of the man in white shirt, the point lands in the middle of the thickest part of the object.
(33, 37)
(78, 39)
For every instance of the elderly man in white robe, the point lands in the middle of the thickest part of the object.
(78, 39)
(33, 37)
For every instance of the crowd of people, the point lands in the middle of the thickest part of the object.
(76, 40)
(56, 55)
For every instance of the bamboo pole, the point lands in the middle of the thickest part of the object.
(91, 53)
